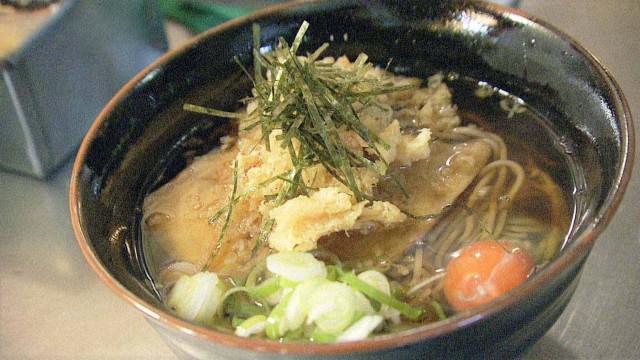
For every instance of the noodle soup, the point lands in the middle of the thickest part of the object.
(352, 202)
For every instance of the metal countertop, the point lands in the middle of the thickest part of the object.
(53, 306)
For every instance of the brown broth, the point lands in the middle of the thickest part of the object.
(547, 198)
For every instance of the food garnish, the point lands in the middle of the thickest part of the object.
(310, 104)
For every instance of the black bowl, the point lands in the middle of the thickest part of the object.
(143, 138)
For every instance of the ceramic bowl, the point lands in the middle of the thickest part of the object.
(143, 138)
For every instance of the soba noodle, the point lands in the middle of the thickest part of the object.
(420, 187)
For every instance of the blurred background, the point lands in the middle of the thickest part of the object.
(60, 64)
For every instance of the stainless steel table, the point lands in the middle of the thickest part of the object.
(53, 306)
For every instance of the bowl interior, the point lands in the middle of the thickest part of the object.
(143, 138)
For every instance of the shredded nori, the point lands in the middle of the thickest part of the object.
(312, 102)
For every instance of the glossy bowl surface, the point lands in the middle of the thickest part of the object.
(142, 138)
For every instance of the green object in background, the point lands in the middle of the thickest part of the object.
(198, 16)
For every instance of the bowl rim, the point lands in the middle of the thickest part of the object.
(577, 250)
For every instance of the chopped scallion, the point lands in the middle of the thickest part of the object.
(405, 309)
